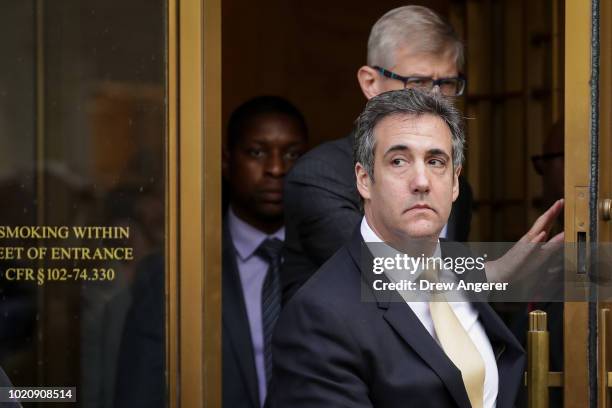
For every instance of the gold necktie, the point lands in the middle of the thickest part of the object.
(459, 347)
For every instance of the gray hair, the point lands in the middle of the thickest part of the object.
(409, 102)
(416, 27)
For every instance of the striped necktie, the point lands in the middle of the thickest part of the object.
(270, 251)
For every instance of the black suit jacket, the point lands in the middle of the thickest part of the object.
(333, 348)
(322, 207)
(240, 386)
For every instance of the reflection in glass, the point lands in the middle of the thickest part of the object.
(82, 118)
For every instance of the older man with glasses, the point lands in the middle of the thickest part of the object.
(409, 47)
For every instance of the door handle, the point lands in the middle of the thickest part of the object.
(537, 364)
(606, 209)
(537, 378)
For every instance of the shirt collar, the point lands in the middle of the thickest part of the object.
(369, 235)
(247, 238)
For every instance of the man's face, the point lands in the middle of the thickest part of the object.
(414, 183)
(258, 162)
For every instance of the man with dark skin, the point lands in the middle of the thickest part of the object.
(266, 135)
(255, 164)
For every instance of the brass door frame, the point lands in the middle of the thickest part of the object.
(605, 119)
(193, 250)
(604, 228)
(578, 105)
(193, 262)
(577, 156)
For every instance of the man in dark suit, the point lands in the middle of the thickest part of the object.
(341, 343)
(266, 135)
(409, 47)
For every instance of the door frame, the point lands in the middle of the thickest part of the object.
(193, 196)
(193, 261)
(588, 136)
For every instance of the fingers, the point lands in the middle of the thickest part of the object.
(550, 215)
(560, 237)
(541, 237)
(555, 211)
(544, 221)
(555, 242)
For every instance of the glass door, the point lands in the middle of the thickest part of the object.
(588, 171)
(83, 228)
(109, 178)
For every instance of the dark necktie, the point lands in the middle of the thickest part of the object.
(270, 251)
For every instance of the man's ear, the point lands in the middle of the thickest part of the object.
(369, 81)
(456, 182)
(225, 162)
(363, 181)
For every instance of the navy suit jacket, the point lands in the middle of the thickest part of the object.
(331, 348)
(240, 386)
(322, 207)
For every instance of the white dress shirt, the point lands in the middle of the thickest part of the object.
(252, 270)
(468, 316)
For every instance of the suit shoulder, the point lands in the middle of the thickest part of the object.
(337, 282)
(336, 154)
(335, 148)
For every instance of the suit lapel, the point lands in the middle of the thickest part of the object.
(235, 319)
(408, 326)
(509, 353)
(403, 320)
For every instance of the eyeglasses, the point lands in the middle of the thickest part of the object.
(452, 86)
(540, 160)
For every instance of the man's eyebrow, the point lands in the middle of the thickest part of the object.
(401, 148)
(437, 152)
(396, 148)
